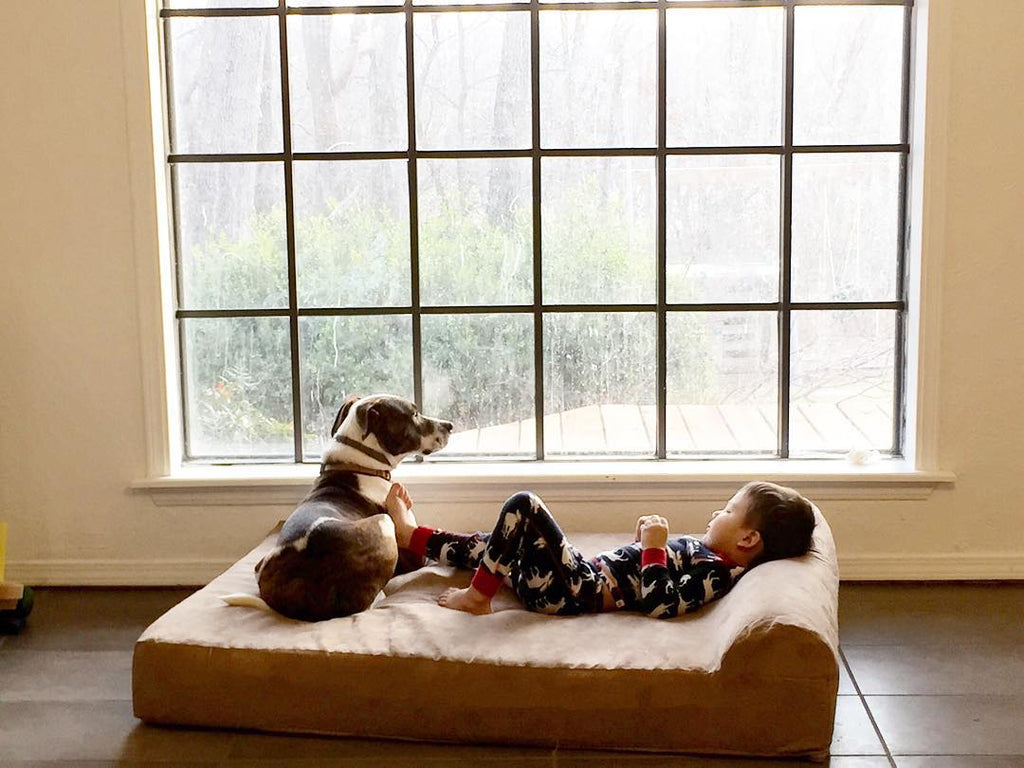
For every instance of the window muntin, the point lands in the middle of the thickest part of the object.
(341, 228)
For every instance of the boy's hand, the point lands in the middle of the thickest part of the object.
(652, 531)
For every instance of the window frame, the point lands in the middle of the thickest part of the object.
(786, 150)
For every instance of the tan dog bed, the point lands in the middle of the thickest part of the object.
(755, 673)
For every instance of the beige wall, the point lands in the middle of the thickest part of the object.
(72, 412)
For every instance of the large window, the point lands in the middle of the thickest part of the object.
(669, 228)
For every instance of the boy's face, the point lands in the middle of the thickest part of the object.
(729, 524)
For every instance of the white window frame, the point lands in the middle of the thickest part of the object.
(169, 482)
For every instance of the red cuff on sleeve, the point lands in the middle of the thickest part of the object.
(418, 541)
(485, 582)
(653, 555)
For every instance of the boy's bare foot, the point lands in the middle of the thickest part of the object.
(399, 507)
(468, 600)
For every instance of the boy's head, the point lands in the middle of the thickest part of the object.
(762, 522)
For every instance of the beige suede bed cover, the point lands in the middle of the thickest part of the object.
(754, 673)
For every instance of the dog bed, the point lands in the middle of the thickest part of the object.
(755, 673)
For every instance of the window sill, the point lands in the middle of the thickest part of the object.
(439, 482)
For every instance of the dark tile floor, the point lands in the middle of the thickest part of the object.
(932, 677)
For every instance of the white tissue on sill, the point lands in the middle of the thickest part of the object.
(862, 456)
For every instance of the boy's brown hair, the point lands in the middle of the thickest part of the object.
(783, 517)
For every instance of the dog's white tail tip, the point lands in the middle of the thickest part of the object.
(246, 600)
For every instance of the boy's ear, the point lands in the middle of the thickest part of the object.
(750, 541)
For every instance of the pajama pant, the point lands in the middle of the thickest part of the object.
(531, 554)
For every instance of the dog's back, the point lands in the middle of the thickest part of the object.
(335, 553)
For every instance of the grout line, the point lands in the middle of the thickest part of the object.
(863, 701)
(942, 695)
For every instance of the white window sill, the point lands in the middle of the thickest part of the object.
(440, 481)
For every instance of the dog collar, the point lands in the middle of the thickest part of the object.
(360, 447)
(341, 466)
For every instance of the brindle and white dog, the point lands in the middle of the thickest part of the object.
(337, 549)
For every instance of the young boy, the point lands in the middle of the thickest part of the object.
(528, 552)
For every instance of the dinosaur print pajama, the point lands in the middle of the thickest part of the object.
(528, 553)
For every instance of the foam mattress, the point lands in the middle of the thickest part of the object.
(755, 673)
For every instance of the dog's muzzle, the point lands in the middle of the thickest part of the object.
(438, 437)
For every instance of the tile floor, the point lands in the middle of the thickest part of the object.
(932, 677)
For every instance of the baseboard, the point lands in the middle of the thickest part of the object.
(992, 566)
(1004, 566)
(115, 573)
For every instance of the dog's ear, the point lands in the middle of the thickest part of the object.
(368, 416)
(343, 412)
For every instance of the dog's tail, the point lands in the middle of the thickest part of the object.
(246, 600)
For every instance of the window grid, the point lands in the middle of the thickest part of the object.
(786, 261)
(661, 307)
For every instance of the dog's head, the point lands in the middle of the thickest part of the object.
(396, 423)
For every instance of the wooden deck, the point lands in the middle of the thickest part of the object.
(699, 429)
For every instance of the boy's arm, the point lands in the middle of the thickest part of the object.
(660, 596)
(663, 598)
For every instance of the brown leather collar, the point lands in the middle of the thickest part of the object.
(376, 455)
(341, 466)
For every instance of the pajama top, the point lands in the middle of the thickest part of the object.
(666, 583)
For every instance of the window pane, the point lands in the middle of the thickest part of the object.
(342, 356)
(476, 231)
(326, 3)
(599, 226)
(587, 1)
(722, 379)
(599, 374)
(845, 226)
(238, 387)
(352, 233)
(478, 373)
(841, 381)
(231, 235)
(472, 80)
(465, 2)
(722, 228)
(347, 82)
(847, 75)
(599, 78)
(220, 3)
(225, 84)
(724, 79)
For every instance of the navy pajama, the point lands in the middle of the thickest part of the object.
(531, 555)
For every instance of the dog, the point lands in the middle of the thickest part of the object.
(337, 549)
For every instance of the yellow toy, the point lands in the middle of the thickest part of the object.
(15, 599)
